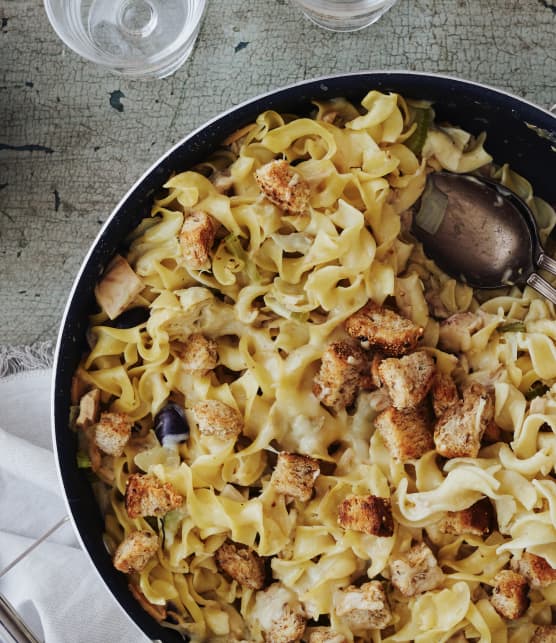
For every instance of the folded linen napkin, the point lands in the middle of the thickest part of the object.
(55, 589)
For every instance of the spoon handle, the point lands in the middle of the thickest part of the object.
(542, 286)
(546, 262)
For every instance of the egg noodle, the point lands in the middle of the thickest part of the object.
(278, 289)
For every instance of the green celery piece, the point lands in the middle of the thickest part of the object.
(234, 247)
(512, 327)
(424, 119)
(83, 461)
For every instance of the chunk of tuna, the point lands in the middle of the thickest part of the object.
(118, 287)
(416, 571)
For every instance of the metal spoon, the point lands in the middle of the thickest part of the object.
(481, 233)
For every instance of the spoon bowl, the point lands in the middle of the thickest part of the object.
(482, 233)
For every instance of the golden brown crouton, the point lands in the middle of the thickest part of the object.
(407, 379)
(477, 520)
(89, 407)
(118, 287)
(326, 635)
(198, 354)
(455, 332)
(196, 239)
(340, 376)
(544, 634)
(363, 608)
(280, 614)
(416, 571)
(368, 514)
(383, 329)
(459, 430)
(135, 551)
(218, 420)
(536, 570)
(407, 434)
(295, 475)
(509, 595)
(283, 186)
(112, 432)
(146, 495)
(241, 563)
(444, 393)
(158, 612)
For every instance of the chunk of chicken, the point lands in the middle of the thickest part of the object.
(455, 332)
(280, 614)
(89, 408)
(363, 608)
(118, 287)
(416, 571)
(459, 430)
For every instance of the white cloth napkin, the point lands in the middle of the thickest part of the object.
(55, 588)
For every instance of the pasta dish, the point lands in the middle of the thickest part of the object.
(297, 427)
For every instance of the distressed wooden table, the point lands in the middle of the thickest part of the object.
(74, 138)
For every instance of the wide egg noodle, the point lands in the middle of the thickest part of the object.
(271, 309)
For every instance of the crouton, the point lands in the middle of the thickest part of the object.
(416, 571)
(118, 287)
(280, 614)
(112, 432)
(135, 551)
(340, 376)
(198, 354)
(241, 563)
(444, 393)
(146, 495)
(407, 434)
(283, 186)
(326, 635)
(455, 332)
(544, 634)
(407, 379)
(89, 407)
(197, 238)
(477, 520)
(509, 595)
(535, 569)
(363, 608)
(383, 329)
(459, 430)
(218, 420)
(158, 612)
(295, 475)
(368, 514)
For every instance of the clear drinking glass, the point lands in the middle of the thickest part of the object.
(135, 38)
(344, 15)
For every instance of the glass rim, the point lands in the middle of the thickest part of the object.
(161, 64)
